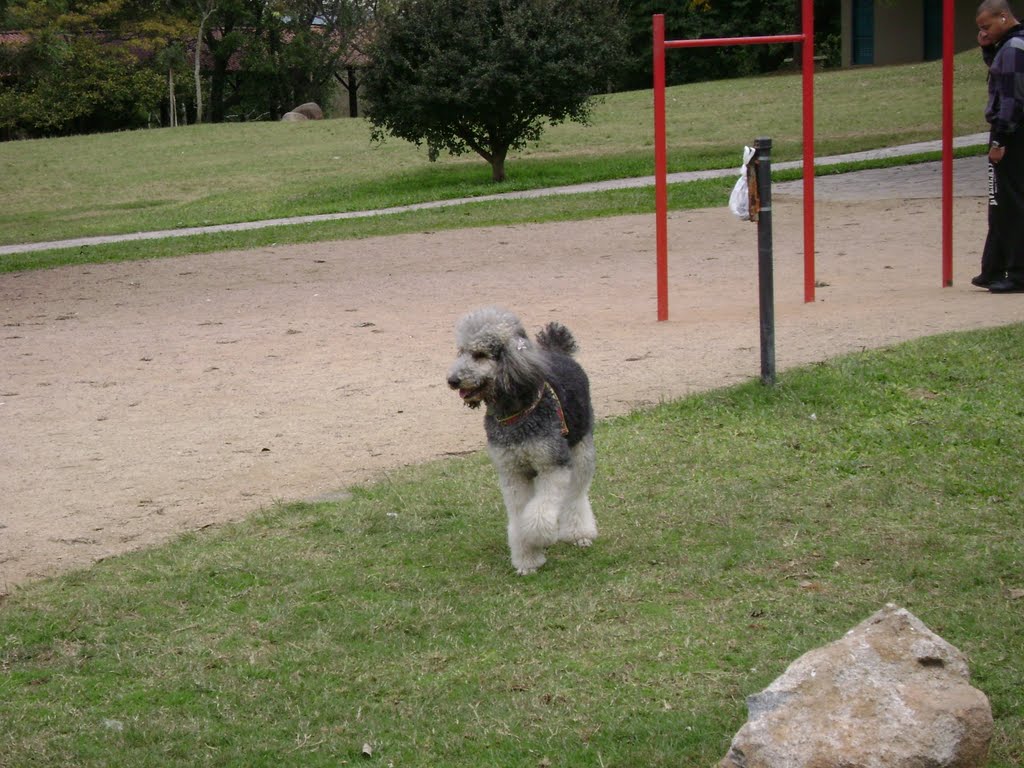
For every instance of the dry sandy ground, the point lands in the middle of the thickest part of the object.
(142, 400)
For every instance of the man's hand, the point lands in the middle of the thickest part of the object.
(996, 153)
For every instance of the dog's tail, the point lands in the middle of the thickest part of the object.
(555, 337)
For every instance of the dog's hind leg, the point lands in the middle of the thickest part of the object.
(576, 523)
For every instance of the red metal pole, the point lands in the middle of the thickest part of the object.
(947, 143)
(807, 65)
(660, 166)
(660, 154)
(704, 42)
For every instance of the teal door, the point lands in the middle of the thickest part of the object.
(932, 30)
(863, 32)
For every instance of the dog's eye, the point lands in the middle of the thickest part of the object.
(480, 355)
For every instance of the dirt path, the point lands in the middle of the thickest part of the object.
(142, 400)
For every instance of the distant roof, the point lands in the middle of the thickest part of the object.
(9, 38)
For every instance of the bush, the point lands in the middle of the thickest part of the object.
(77, 85)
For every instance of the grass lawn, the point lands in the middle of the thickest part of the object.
(213, 174)
(739, 529)
(707, 193)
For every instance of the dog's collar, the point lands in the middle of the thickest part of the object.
(515, 418)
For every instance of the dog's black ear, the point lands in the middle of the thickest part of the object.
(519, 366)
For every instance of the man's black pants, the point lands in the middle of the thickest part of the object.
(1004, 246)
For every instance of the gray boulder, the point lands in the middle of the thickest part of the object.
(890, 694)
(311, 110)
(293, 117)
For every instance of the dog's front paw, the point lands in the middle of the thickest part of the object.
(581, 537)
(526, 565)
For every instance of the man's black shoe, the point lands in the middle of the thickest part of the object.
(1005, 286)
(982, 281)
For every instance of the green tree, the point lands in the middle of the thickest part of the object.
(486, 75)
(296, 53)
(718, 18)
(247, 58)
(264, 57)
(172, 59)
(83, 65)
(77, 85)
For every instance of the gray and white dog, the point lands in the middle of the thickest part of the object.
(540, 428)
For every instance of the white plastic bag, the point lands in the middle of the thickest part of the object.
(739, 200)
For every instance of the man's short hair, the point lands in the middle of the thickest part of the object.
(994, 7)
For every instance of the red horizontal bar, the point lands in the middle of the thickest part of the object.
(710, 41)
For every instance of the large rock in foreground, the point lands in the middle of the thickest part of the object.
(890, 694)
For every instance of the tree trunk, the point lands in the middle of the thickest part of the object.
(353, 99)
(498, 165)
(218, 86)
(172, 104)
(199, 82)
(350, 84)
(206, 13)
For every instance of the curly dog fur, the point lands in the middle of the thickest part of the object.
(540, 428)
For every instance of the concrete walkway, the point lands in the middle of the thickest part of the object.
(913, 175)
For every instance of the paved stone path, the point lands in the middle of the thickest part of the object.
(904, 182)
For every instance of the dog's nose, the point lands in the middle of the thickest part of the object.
(453, 382)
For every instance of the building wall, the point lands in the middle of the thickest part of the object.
(899, 30)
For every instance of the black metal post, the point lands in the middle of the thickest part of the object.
(765, 278)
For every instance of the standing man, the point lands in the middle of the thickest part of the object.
(1001, 37)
